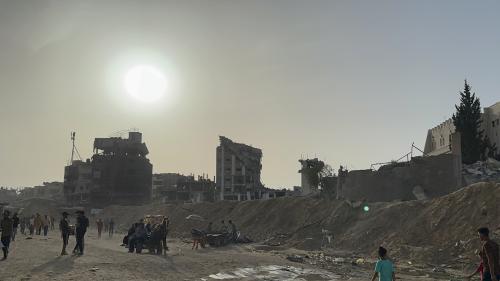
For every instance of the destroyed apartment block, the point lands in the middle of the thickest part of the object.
(238, 171)
(118, 173)
(173, 187)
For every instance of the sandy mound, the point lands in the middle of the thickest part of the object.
(438, 230)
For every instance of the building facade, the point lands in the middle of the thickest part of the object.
(441, 139)
(120, 173)
(309, 175)
(77, 182)
(173, 187)
(238, 171)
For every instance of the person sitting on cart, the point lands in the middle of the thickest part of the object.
(234, 231)
(210, 228)
(224, 228)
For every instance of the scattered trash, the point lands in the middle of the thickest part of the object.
(195, 218)
(277, 273)
(295, 258)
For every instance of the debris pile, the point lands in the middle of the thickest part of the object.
(482, 171)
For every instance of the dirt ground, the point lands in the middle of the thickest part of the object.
(38, 259)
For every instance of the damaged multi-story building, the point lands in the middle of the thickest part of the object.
(77, 182)
(174, 187)
(238, 171)
(315, 177)
(120, 173)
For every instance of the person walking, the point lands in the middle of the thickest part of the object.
(106, 225)
(52, 223)
(489, 255)
(7, 226)
(23, 225)
(15, 224)
(82, 223)
(32, 225)
(384, 269)
(100, 224)
(38, 224)
(164, 231)
(45, 224)
(65, 230)
(111, 227)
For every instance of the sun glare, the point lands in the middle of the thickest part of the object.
(145, 83)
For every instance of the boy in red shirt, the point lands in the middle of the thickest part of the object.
(479, 270)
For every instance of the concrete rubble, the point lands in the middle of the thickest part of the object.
(482, 171)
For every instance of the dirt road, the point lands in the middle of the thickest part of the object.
(38, 259)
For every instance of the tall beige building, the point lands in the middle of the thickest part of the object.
(440, 138)
(238, 171)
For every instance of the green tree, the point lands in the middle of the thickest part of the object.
(467, 121)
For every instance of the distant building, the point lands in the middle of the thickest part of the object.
(78, 182)
(165, 184)
(238, 171)
(120, 173)
(440, 139)
(172, 187)
(7, 195)
(49, 190)
(309, 175)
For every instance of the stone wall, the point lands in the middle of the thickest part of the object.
(422, 177)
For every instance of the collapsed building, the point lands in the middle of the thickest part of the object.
(174, 187)
(316, 176)
(238, 171)
(118, 173)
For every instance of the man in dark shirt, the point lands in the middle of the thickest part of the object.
(15, 224)
(111, 227)
(7, 226)
(65, 230)
(489, 255)
(82, 222)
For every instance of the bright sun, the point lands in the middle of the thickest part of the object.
(145, 83)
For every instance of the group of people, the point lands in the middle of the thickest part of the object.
(229, 230)
(10, 225)
(35, 224)
(155, 234)
(108, 225)
(488, 269)
(82, 223)
(224, 229)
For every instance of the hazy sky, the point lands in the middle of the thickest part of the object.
(351, 82)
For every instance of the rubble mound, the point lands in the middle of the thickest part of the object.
(437, 230)
(482, 171)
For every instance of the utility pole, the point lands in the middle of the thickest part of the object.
(73, 148)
